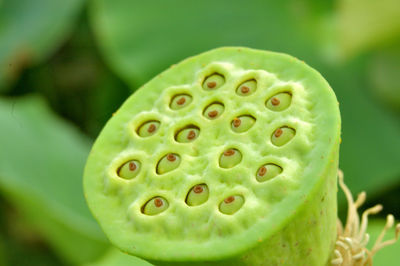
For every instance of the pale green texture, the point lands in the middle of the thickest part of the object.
(287, 220)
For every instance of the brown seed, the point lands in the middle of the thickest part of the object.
(237, 122)
(171, 157)
(181, 101)
(229, 152)
(211, 84)
(158, 202)
(244, 89)
(191, 134)
(213, 114)
(132, 166)
(151, 128)
(278, 132)
(275, 101)
(229, 199)
(262, 171)
(198, 189)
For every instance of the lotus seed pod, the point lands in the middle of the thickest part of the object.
(213, 82)
(129, 169)
(187, 135)
(259, 191)
(242, 123)
(282, 135)
(149, 128)
(155, 206)
(247, 88)
(180, 101)
(279, 102)
(230, 158)
(267, 172)
(197, 195)
(231, 204)
(168, 163)
(213, 111)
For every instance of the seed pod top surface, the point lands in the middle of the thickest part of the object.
(148, 215)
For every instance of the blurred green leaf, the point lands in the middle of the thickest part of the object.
(388, 256)
(41, 165)
(32, 30)
(363, 24)
(115, 257)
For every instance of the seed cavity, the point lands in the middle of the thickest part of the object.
(279, 102)
(213, 81)
(168, 163)
(129, 170)
(180, 101)
(242, 123)
(148, 128)
(187, 134)
(282, 135)
(155, 206)
(230, 158)
(231, 204)
(197, 195)
(267, 172)
(214, 110)
(247, 88)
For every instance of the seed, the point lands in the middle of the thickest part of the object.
(171, 157)
(230, 158)
(214, 110)
(181, 101)
(191, 134)
(267, 172)
(148, 128)
(279, 101)
(187, 134)
(198, 189)
(245, 89)
(129, 170)
(211, 84)
(236, 122)
(197, 195)
(158, 202)
(155, 206)
(213, 113)
(275, 101)
(229, 199)
(229, 152)
(151, 128)
(262, 171)
(278, 132)
(132, 166)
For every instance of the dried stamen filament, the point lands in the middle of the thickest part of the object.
(168, 163)
(155, 206)
(231, 204)
(197, 195)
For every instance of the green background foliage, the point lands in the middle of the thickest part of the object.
(67, 65)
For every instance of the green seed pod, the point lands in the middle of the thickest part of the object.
(267, 172)
(180, 101)
(188, 134)
(242, 123)
(214, 110)
(197, 195)
(282, 135)
(279, 102)
(283, 215)
(148, 129)
(231, 204)
(129, 169)
(168, 163)
(247, 88)
(155, 206)
(230, 158)
(213, 82)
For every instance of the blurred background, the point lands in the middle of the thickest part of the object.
(67, 65)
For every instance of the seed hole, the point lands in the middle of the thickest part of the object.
(279, 102)
(247, 88)
(213, 81)
(242, 123)
(168, 163)
(197, 195)
(148, 128)
(230, 158)
(129, 170)
(187, 134)
(267, 172)
(231, 204)
(155, 206)
(214, 110)
(282, 135)
(180, 101)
